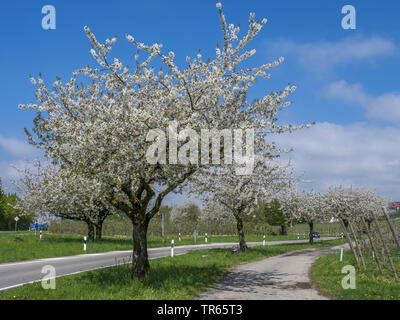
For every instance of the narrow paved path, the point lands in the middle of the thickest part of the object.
(18, 273)
(283, 277)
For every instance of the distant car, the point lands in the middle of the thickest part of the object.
(316, 235)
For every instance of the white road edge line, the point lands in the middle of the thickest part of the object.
(96, 268)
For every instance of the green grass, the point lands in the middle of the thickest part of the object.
(182, 277)
(370, 284)
(56, 245)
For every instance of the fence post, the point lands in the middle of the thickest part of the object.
(394, 233)
(349, 241)
(386, 249)
(374, 250)
(357, 244)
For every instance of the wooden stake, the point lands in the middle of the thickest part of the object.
(357, 245)
(386, 248)
(349, 241)
(394, 233)
(375, 252)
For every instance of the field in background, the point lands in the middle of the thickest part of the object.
(57, 245)
(121, 226)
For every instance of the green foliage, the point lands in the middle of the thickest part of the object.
(275, 215)
(8, 213)
(193, 213)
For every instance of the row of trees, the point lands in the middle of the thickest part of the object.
(96, 128)
(96, 131)
(189, 216)
(337, 204)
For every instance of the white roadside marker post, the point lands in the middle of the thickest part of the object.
(172, 248)
(341, 254)
(205, 237)
(40, 235)
(298, 236)
(180, 239)
(264, 240)
(84, 243)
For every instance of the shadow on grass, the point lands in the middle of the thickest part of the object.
(163, 277)
(195, 271)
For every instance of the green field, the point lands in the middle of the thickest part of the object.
(182, 277)
(370, 284)
(57, 245)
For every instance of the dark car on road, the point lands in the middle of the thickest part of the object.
(316, 235)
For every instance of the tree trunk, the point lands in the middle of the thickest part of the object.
(140, 259)
(90, 226)
(311, 238)
(242, 241)
(99, 229)
(283, 230)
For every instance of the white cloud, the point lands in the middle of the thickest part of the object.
(323, 55)
(358, 155)
(8, 173)
(17, 153)
(384, 107)
(17, 147)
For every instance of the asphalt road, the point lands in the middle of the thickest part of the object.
(19, 273)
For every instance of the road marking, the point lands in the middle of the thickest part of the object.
(81, 271)
(122, 251)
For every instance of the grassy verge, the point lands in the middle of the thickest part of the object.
(181, 277)
(57, 245)
(370, 284)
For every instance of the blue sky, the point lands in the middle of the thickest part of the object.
(347, 79)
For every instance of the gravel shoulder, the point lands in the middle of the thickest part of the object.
(283, 277)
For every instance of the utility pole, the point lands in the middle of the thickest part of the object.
(162, 226)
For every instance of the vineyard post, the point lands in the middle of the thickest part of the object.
(386, 248)
(394, 233)
(357, 244)
(350, 242)
(374, 251)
